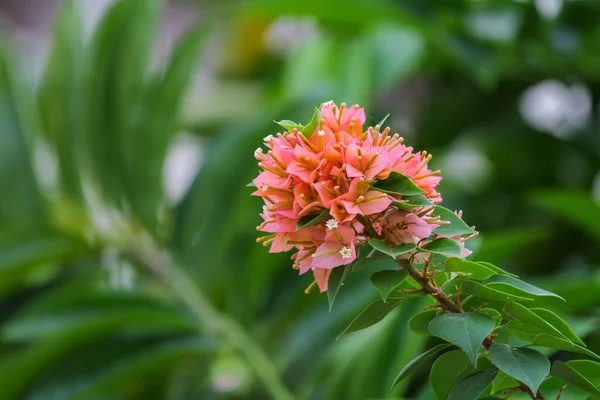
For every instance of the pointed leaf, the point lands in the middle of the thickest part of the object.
(383, 120)
(500, 282)
(312, 220)
(398, 183)
(525, 365)
(371, 315)
(445, 246)
(336, 280)
(587, 368)
(289, 125)
(469, 269)
(309, 129)
(417, 363)
(558, 323)
(478, 290)
(569, 374)
(527, 317)
(467, 331)
(545, 340)
(456, 227)
(388, 280)
(471, 387)
(392, 251)
(496, 269)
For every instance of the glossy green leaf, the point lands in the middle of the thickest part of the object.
(310, 128)
(379, 262)
(336, 280)
(573, 376)
(527, 317)
(289, 125)
(312, 220)
(456, 227)
(398, 183)
(444, 246)
(589, 369)
(371, 315)
(478, 290)
(447, 370)
(558, 323)
(392, 251)
(501, 282)
(467, 331)
(496, 269)
(419, 323)
(546, 340)
(388, 280)
(417, 363)
(471, 387)
(468, 269)
(525, 365)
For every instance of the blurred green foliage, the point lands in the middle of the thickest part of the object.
(109, 290)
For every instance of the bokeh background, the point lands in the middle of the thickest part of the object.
(128, 262)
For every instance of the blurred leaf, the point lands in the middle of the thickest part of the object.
(467, 331)
(525, 365)
(589, 369)
(336, 280)
(478, 290)
(310, 128)
(546, 340)
(419, 323)
(578, 208)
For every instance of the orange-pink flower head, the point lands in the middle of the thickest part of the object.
(331, 176)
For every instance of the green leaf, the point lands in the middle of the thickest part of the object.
(410, 202)
(380, 123)
(251, 184)
(312, 220)
(371, 315)
(392, 251)
(545, 340)
(377, 262)
(467, 331)
(289, 125)
(495, 314)
(497, 270)
(419, 323)
(569, 374)
(587, 368)
(502, 381)
(500, 282)
(469, 269)
(388, 280)
(471, 387)
(476, 289)
(525, 365)
(336, 280)
(398, 183)
(444, 246)
(447, 370)
(527, 317)
(309, 129)
(456, 227)
(417, 363)
(558, 323)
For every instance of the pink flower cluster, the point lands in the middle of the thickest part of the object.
(335, 168)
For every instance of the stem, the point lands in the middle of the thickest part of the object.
(454, 307)
(183, 286)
